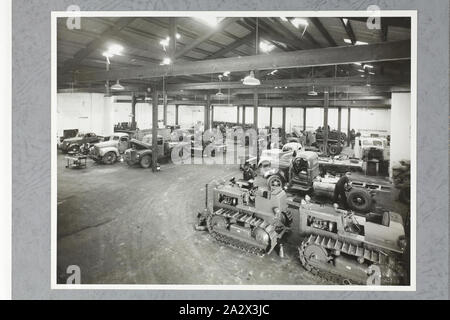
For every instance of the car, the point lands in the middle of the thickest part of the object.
(74, 144)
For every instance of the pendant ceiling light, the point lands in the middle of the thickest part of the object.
(117, 86)
(250, 80)
(312, 92)
(219, 93)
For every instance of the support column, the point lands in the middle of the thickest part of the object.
(283, 121)
(133, 112)
(304, 119)
(165, 107)
(243, 115)
(348, 128)
(154, 129)
(237, 116)
(176, 114)
(255, 109)
(271, 117)
(207, 113)
(339, 119)
(326, 103)
(212, 116)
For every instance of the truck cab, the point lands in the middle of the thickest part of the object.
(142, 151)
(110, 150)
(367, 148)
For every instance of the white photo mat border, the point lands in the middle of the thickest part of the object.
(338, 13)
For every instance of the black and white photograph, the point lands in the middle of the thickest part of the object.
(249, 150)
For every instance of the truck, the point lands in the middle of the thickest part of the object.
(367, 148)
(109, 151)
(74, 144)
(141, 152)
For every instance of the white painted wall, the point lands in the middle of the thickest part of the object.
(400, 128)
(85, 112)
(94, 112)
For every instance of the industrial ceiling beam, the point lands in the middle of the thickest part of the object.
(268, 34)
(348, 28)
(313, 43)
(222, 25)
(236, 44)
(290, 83)
(186, 33)
(323, 31)
(97, 43)
(398, 50)
(386, 103)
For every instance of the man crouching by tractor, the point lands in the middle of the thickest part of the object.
(248, 173)
(342, 185)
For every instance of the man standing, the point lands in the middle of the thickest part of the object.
(339, 189)
(352, 138)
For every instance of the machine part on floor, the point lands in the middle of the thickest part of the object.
(77, 161)
(249, 218)
(346, 248)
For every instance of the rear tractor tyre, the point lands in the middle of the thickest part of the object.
(109, 157)
(146, 161)
(359, 200)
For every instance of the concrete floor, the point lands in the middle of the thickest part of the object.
(127, 225)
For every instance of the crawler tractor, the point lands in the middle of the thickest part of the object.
(348, 248)
(338, 245)
(245, 217)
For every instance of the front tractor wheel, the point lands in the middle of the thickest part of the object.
(109, 157)
(146, 161)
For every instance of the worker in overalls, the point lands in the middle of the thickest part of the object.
(339, 195)
(248, 172)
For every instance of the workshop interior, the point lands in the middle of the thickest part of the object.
(242, 150)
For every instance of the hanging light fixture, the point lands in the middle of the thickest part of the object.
(250, 80)
(117, 86)
(219, 93)
(312, 92)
